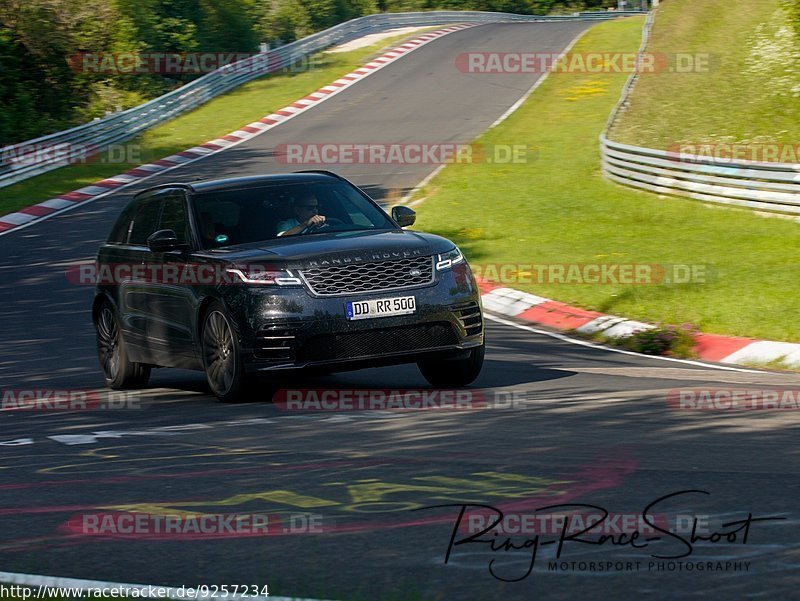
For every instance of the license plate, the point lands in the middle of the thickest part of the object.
(381, 307)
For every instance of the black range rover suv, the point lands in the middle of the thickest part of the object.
(237, 277)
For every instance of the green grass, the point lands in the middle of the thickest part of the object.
(216, 118)
(779, 364)
(559, 209)
(745, 97)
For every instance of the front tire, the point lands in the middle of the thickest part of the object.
(453, 373)
(119, 372)
(222, 358)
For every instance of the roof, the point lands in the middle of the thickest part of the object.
(257, 181)
(248, 182)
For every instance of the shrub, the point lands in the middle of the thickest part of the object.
(666, 340)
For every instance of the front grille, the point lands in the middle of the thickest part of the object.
(470, 317)
(369, 277)
(377, 342)
(276, 343)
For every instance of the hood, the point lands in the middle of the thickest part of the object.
(336, 248)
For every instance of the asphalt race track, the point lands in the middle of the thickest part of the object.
(352, 491)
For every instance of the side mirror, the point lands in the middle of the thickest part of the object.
(163, 241)
(403, 216)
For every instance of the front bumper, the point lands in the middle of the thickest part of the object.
(286, 328)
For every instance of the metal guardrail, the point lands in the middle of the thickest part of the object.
(765, 186)
(27, 159)
(771, 187)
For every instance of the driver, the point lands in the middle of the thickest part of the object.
(305, 209)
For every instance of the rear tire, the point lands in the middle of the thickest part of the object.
(453, 373)
(119, 372)
(222, 357)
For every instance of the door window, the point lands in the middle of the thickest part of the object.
(174, 217)
(145, 222)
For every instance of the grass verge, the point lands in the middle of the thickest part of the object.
(749, 93)
(558, 209)
(216, 118)
(779, 364)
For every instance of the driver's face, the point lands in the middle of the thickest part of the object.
(306, 208)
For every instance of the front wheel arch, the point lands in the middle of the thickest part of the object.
(241, 381)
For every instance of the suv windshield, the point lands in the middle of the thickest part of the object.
(232, 217)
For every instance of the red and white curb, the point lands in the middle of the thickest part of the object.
(560, 316)
(65, 202)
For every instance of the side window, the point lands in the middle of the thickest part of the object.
(174, 217)
(122, 227)
(145, 221)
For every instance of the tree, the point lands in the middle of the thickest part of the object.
(322, 13)
(226, 26)
(284, 21)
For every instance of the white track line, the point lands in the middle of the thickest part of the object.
(421, 185)
(538, 82)
(520, 101)
(34, 580)
(611, 349)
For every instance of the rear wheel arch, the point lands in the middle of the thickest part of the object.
(119, 371)
(99, 300)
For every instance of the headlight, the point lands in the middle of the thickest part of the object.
(448, 259)
(264, 275)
